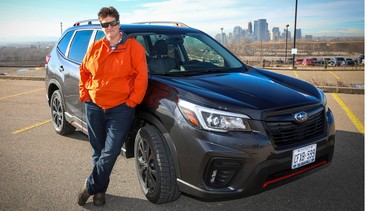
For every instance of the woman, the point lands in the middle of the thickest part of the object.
(113, 80)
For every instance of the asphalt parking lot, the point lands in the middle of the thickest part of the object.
(41, 170)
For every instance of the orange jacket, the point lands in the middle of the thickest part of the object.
(112, 77)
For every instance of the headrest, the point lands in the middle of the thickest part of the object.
(160, 48)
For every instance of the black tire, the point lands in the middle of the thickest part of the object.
(154, 166)
(60, 124)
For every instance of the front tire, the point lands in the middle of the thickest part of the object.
(154, 166)
(60, 124)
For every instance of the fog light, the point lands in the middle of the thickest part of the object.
(220, 172)
(213, 176)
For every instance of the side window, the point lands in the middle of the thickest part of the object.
(99, 35)
(79, 45)
(64, 42)
(141, 40)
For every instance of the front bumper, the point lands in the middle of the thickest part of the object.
(215, 166)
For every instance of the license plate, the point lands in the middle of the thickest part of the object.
(303, 156)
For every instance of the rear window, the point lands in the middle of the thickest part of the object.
(99, 35)
(79, 45)
(64, 42)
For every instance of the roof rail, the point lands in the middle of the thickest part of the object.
(173, 23)
(89, 21)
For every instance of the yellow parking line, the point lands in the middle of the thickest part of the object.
(336, 76)
(357, 123)
(31, 127)
(295, 73)
(23, 93)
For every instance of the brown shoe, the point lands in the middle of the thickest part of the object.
(99, 199)
(83, 195)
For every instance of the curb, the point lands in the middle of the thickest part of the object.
(343, 90)
(30, 78)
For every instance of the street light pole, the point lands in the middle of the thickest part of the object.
(295, 29)
(222, 39)
(286, 42)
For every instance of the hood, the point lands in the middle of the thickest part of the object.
(255, 89)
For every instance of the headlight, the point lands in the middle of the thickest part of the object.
(212, 119)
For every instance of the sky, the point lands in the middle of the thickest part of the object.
(42, 19)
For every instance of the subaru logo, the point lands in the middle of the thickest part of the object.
(301, 116)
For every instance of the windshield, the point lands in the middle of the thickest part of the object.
(193, 53)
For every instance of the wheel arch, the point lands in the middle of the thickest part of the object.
(143, 118)
(53, 85)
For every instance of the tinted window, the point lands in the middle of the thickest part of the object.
(79, 45)
(141, 40)
(196, 53)
(64, 42)
(99, 35)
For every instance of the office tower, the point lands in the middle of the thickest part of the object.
(237, 33)
(261, 30)
(275, 34)
(250, 27)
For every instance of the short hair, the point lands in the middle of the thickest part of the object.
(108, 11)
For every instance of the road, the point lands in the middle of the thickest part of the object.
(41, 170)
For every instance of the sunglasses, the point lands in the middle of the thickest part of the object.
(112, 23)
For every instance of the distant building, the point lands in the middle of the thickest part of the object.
(261, 30)
(250, 28)
(308, 37)
(237, 33)
(298, 34)
(284, 34)
(275, 36)
(222, 38)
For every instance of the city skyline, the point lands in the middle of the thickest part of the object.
(258, 30)
(42, 19)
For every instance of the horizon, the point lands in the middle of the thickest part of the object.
(55, 39)
(319, 18)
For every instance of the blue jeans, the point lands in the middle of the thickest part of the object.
(107, 130)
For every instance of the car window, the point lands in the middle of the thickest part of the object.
(64, 42)
(199, 51)
(79, 45)
(196, 53)
(99, 35)
(141, 39)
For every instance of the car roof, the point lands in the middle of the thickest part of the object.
(143, 28)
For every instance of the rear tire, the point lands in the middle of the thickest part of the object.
(154, 166)
(60, 124)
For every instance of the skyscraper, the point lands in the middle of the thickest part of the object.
(261, 30)
(275, 34)
(298, 34)
(237, 33)
(250, 27)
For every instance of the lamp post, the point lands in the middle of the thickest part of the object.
(295, 28)
(286, 42)
(222, 39)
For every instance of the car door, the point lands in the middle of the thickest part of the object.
(77, 50)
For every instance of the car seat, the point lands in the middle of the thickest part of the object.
(160, 62)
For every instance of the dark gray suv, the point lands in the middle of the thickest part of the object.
(209, 125)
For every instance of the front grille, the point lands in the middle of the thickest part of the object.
(286, 131)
